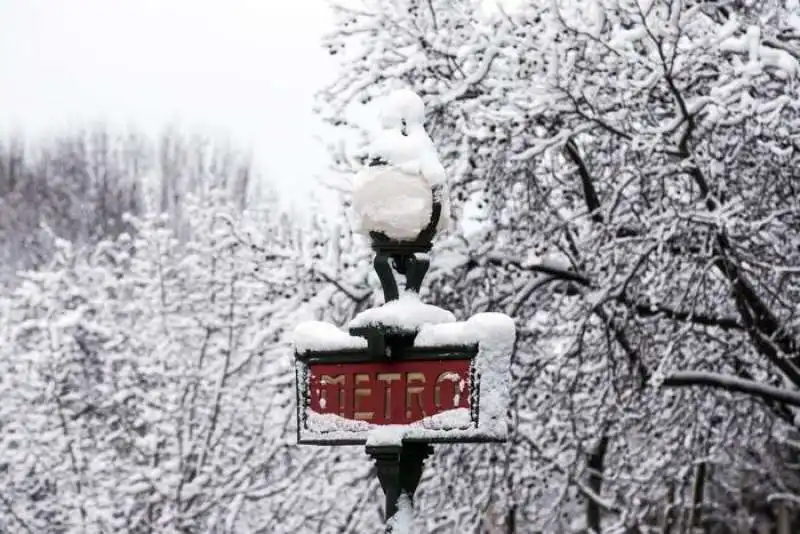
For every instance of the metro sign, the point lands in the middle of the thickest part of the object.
(396, 393)
(362, 392)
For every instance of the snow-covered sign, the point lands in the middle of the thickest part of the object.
(448, 383)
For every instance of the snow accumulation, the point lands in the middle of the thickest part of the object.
(386, 435)
(389, 200)
(442, 335)
(402, 522)
(328, 424)
(321, 336)
(413, 153)
(400, 105)
(403, 141)
(759, 54)
(407, 314)
(494, 333)
(397, 198)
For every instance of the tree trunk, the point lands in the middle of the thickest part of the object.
(695, 512)
(595, 464)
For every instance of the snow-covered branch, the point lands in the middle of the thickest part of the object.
(732, 384)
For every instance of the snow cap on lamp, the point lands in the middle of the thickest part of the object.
(395, 195)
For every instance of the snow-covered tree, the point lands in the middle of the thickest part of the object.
(626, 173)
(81, 183)
(148, 383)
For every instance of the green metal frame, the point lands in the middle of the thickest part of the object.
(450, 352)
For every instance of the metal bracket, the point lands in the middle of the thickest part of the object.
(399, 467)
(384, 343)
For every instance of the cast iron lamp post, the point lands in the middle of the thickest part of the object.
(404, 369)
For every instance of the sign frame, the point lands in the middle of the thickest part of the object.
(406, 353)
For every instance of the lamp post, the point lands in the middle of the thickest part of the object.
(406, 374)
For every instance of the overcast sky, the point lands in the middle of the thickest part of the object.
(248, 67)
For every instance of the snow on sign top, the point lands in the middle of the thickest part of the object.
(407, 314)
(397, 198)
(321, 336)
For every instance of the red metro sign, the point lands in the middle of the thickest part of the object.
(447, 384)
(431, 392)
(386, 393)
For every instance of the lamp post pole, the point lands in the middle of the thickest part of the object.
(399, 472)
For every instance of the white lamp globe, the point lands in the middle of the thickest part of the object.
(394, 202)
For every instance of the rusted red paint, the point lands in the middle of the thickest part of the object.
(391, 392)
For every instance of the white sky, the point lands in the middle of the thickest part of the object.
(247, 67)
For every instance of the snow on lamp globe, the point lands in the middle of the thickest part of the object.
(400, 200)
